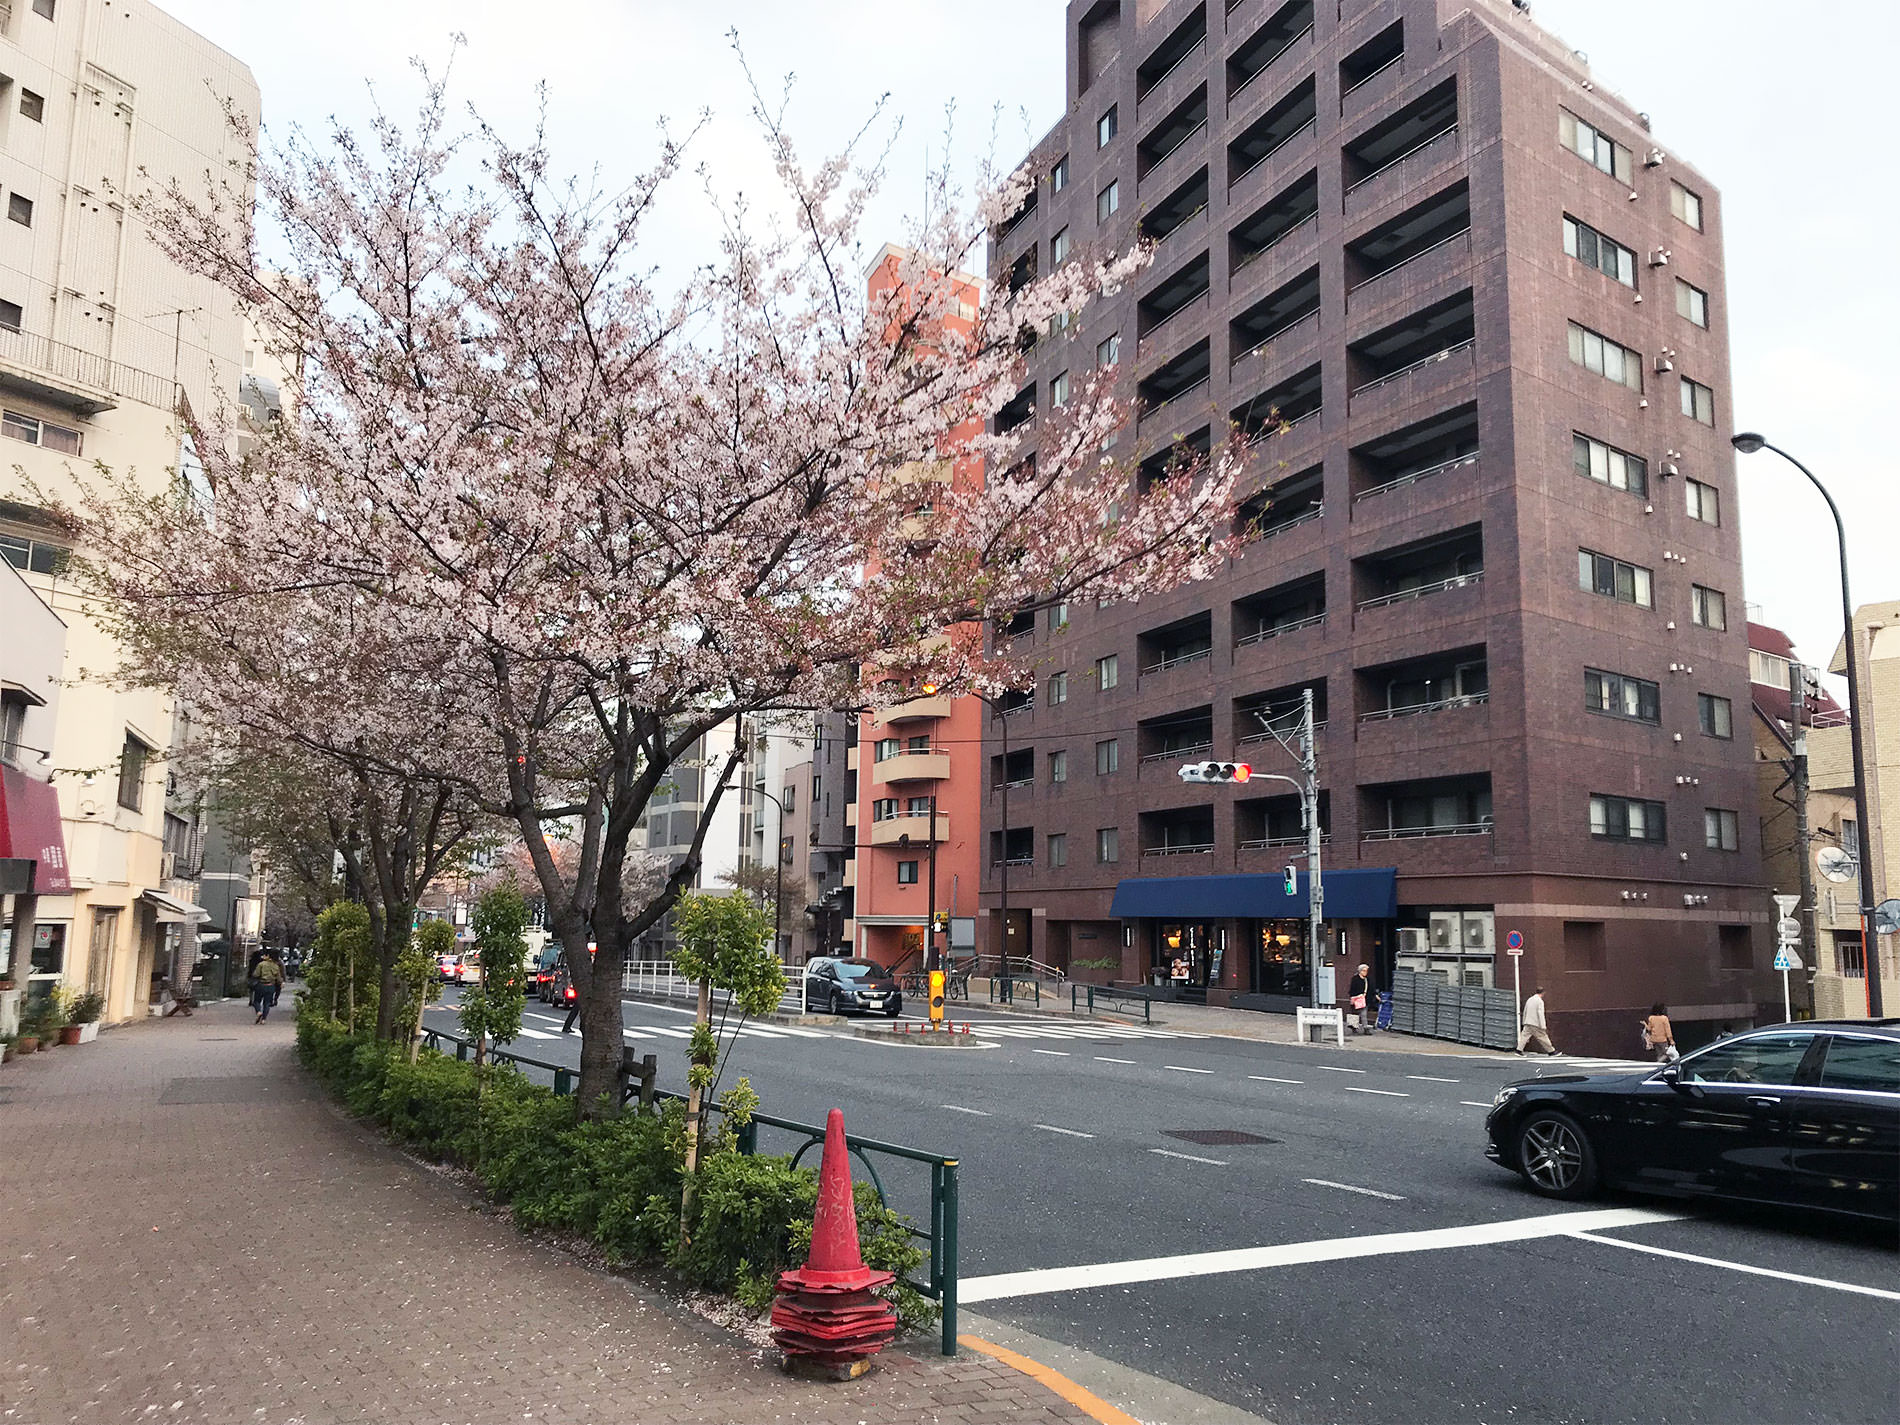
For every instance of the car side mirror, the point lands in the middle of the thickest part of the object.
(1672, 1075)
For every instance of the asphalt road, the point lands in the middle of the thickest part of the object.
(1502, 1310)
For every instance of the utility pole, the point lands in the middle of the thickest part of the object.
(1009, 983)
(1798, 785)
(1307, 755)
(933, 959)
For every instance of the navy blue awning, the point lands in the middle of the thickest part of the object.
(1362, 893)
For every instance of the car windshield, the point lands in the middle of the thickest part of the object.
(860, 970)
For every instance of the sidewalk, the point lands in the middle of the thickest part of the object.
(195, 1233)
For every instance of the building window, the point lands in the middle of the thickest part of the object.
(132, 773)
(788, 798)
(919, 743)
(1708, 607)
(1703, 502)
(1108, 351)
(1720, 830)
(1692, 303)
(917, 806)
(1635, 698)
(1058, 616)
(11, 316)
(12, 725)
(1685, 205)
(1108, 671)
(1593, 249)
(906, 873)
(35, 431)
(33, 106)
(1717, 715)
(20, 209)
(884, 809)
(1850, 837)
(43, 8)
(1612, 578)
(1625, 819)
(1769, 669)
(1108, 202)
(1107, 127)
(33, 555)
(1058, 849)
(1059, 248)
(1059, 175)
(1058, 688)
(1607, 465)
(1606, 358)
(885, 748)
(1108, 756)
(1592, 145)
(1108, 845)
(1698, 401)
(1059, 390)
(1058, 766)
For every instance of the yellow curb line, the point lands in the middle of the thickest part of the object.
(1086, 1401)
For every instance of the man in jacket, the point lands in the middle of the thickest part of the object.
(267, 980)
(1536, 1030)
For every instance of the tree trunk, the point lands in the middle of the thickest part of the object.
(599, 994)
(695, 1106)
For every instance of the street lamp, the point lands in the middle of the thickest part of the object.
(1748, 443)
(778, 873)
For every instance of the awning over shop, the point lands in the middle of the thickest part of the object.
(172, 911)
(30, 831)
(1361, 893)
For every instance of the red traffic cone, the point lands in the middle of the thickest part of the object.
(826, 1320)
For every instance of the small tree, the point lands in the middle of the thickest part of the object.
(724, 943)
(493, 1008)
(416, 970)
(342, 974)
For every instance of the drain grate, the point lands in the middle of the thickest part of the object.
(1216, 1137)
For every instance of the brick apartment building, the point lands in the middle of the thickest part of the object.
(1495, 533)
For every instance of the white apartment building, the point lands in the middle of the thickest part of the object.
(103, 344)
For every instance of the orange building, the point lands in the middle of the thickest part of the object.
(920, 764)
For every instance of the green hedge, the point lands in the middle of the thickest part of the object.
(614, 1181)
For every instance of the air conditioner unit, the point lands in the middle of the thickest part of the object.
(1445, 930)
(168, 865)
(1478, 925)
(1659, 257)
(1654, 158)
(1668, 467)
(1413, 940)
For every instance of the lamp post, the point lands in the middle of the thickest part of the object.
(1748, 443)
(778, 881)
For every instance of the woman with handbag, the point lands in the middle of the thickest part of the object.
(1358, 996)
(1658, 1037)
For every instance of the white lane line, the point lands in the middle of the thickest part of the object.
(1183, 1069)
(1473, 1103)
(1005, 1285)
(1052, 1053)
(528, 1033)
(1331, 1069)
(1348, 1187)
(1167, 1153)
(1104, 1059)
(959, 1108)
(1269, 1079)
(1065, 1132)
(1429, 1079)
(1854, 1287)
(1383, 1093)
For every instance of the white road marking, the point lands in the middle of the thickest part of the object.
(528, 1033)
(959, 1108)
(1348, 1187)
(1006, 1285)
(1182, 1069)
(1269, 1079)
(1065, 1132)
(1333, 1069)
(1473, 1103)
(1104, 1059)
(1052, 1053)
(634, 1031)
(1831, 1285)
(1167, 1153)
(1429, 1079)
(1383, 1093)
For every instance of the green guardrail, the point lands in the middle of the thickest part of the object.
(1114, 1001)
(636, 1081)
(1007, 991)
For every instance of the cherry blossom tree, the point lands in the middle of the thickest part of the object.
(537, 527)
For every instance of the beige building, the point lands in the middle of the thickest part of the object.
(103, 345)
(1841, 989)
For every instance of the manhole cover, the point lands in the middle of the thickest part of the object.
(237, 1089)
(1216, 1137)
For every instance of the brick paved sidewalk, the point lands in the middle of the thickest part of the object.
(192, 1232)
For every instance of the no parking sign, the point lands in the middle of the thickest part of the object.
(1514, 943)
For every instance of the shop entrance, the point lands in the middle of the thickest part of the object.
(1186, 956)
(1280, 959)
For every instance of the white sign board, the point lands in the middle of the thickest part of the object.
(1786, 904)
(1789, 929)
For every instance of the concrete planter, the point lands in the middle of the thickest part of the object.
(87, 1032)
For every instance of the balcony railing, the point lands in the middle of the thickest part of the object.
(1450, 131)
(1175, 662)
(1267, 157)
(1293, 523)
(1310, 221)
(1264, 634)
(1359, 84)
(1464, 700)
(1012, 786)
(1269, 843)
(1407, 833)
(1278, 332)
(90, 376)
(1252, 738)
(1012, 860)
(1148, 413)
(1199, 299)
(1198, 48)
(1207, 850)
(1272, 60)
(1199, 749)
(1178, 145)
(1418, 365)
(1457, 581)
(1425, 252)
(1415, 476)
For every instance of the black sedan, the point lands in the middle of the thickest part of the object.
(834, 985)
(1799, 1115)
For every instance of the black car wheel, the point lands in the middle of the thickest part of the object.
(891, 1013)
(831, 1002)
(1555, 1156)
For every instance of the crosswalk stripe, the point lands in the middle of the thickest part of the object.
(528, 1033)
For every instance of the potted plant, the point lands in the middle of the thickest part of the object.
(84, 1016)
(53, 1019)
(32, 1028)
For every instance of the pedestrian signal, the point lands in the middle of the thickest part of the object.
(1216, 772)
(1292, 881)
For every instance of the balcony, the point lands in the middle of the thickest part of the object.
(1426, 450)
(1278, 225)
(1269, 823)
(1171, 62)
(1373, 71)
(1020, 410)
(1278, 312)
(910, 829)
(932, 766)
(1421, 569)
(75, 380)
(1014, 846)
(1281, 407)
(1402, 245)
(1405, 360)
(1185, 831)
(1270, 133)
(1288, 348)
(1452, 681)
(1186, 122)
(1177, 737)
(1433, 159)
(1183, 453)
(917, 710)
(1175, 645)
(1014, 772)
(1285, 505)
(1169, 393)
(1267, 47)
(1178, 234)
(1430, 807)
(1173, 295)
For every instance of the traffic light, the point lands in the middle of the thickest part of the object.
(1292, 881)
(1216, 772)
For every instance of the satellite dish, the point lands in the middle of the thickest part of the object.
(1836, 864)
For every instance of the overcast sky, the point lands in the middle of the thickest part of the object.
(1784, 106)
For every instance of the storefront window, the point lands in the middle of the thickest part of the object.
(1186, 955)
(1281, 961)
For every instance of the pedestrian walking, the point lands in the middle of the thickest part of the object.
(267, 982)
(573, 1013)
(1658, 1037)
(1536, 1029)
(1359, 996)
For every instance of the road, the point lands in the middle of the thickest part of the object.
(1375, 1266)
